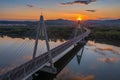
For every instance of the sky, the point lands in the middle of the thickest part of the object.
(55, 9)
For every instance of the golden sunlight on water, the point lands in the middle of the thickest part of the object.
(91, 43)
(104, 47)
(16, 51)
(66, 74)
(109, 59)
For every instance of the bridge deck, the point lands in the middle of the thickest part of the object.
(32, 66)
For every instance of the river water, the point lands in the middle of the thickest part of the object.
(16, 51)
(97, 62)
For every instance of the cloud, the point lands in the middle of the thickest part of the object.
(30, 6)
(66, 74)
(91, 10)
(27, 57)
(106, 48)
(102, 50)
(99, 52)
(91, 43)
(109, 60)
(86, 2)
(105, 18)
(5, 69)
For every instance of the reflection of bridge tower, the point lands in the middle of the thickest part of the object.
(79, 56)
(42, 32)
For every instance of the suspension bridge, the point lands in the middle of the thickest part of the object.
(44, 62)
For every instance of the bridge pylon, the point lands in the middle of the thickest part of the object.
(42, 32)
(79, 28)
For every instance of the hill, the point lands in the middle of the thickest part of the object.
(57, 22)
(103, 23)
(62, 22)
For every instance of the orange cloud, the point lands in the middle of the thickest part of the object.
(27, 57)
(106, 48)
(66, 74)
(91, 43)
(109, 59)
(3, 70)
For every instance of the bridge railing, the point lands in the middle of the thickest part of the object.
(31, 66)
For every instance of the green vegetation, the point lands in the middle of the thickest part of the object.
(106, 35)
(54, 33)
(14, 30)
(103, 35)
(61, 32)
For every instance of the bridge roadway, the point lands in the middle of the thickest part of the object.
(27, 69)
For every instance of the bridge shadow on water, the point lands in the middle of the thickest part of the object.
(61, 63)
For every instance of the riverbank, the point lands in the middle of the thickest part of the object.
(106, 35)
(101, 35)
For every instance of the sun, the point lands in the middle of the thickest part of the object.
(79, 19)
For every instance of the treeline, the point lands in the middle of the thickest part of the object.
(14, 30)
(61, 32)
(53, 32)
(106, 35)
(103, 35)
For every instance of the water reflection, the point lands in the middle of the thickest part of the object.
(92, 65)
(32, 36)
(100, 60)
(27, 58)
(2, 70)
(110, 60)
(66, 74)
(103, 48)
(16, 51)
(60, 64)
(79, 56)
(97, 62)
(91, 43)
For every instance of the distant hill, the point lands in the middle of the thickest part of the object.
(15, 22)
(62, 22)
(102, 23)
(57, 22)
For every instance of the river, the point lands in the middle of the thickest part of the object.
(94, 61)
(97, 62)
(16, 51)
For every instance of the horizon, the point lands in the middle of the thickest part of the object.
(68, 10)
(63, 19)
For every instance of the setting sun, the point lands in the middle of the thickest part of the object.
(79, 19)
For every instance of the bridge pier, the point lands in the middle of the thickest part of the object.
(83, 42)
(49, 69)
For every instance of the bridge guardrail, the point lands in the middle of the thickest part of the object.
(25, 69)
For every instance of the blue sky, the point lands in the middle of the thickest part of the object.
(18, 9)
